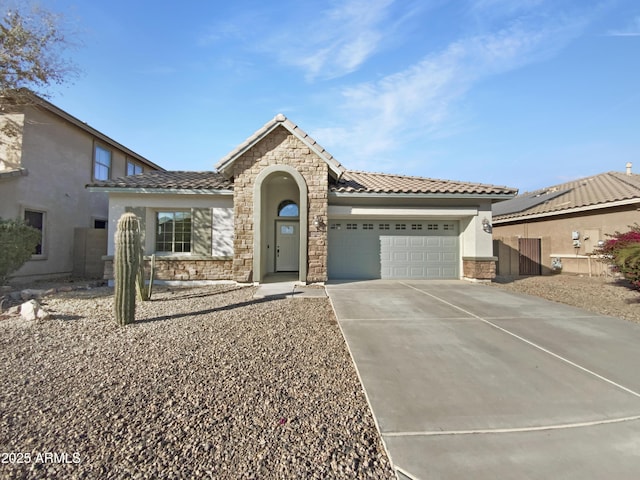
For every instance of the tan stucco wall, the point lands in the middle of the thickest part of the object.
(59, 159)
(555, 233)
(280, 147)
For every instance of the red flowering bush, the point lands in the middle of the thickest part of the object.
(622, 251)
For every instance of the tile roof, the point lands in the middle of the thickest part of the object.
(180, 180)
(365, 182)
(279, 120)
(602, 189)
(351, 182)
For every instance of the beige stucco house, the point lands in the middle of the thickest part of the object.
(280, 202)
(47, 156)
(557, 228)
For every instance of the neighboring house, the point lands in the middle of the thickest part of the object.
(46, 158)
(558, 228)
(279, 202)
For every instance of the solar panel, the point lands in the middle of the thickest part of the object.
(525, 201)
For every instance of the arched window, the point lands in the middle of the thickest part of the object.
(288, 208)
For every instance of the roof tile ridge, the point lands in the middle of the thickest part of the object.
(568, 185)
(621, 178)
(399, 175)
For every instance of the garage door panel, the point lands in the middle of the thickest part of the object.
(449, 272)
(450, 242)
(417, 272)
(402, 242)
(399, 256)
(419, 250)
(434, 257)
(418, 257)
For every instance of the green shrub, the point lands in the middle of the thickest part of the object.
(622, 250)
(628, 262)
(18, 241)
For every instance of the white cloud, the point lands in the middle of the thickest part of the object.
(340, 40)
(419, 101)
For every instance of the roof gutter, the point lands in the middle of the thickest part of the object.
(472, 196)
(174, 191)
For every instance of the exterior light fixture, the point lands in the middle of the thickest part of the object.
(486, 225)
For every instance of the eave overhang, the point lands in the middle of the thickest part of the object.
(568, 211)
(172, 191)
(494, 197)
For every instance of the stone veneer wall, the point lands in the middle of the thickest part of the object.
(280, 147)
(183, 269)
(479, 268)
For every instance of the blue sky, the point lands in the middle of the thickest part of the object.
(524, 93)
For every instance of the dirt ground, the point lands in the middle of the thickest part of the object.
(607, 296)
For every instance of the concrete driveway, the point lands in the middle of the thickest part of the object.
(470, 381)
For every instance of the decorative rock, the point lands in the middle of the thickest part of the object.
(32, 310)
(28, 294)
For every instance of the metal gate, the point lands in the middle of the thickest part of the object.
(529, 256)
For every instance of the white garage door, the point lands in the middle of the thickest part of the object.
(393, 249)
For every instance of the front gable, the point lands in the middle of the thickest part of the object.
(277, 166)
(279, 122)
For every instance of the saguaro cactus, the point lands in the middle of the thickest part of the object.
(126, 266)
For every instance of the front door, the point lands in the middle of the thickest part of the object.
(287, 246)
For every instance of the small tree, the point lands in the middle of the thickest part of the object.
(33, 45)
(18, 241)
(628, 262)
(622, 251)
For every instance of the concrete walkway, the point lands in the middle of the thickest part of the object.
(470, 381)
(287, 286)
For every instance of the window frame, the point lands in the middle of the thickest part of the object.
(98, 162)
(100, 221)
(173, 242)
(285, 204)
(43, 232)
(135, 165)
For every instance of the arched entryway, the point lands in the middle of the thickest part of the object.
(280, 236)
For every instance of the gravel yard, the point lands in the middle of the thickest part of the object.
(606, 296)
(208, 383)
